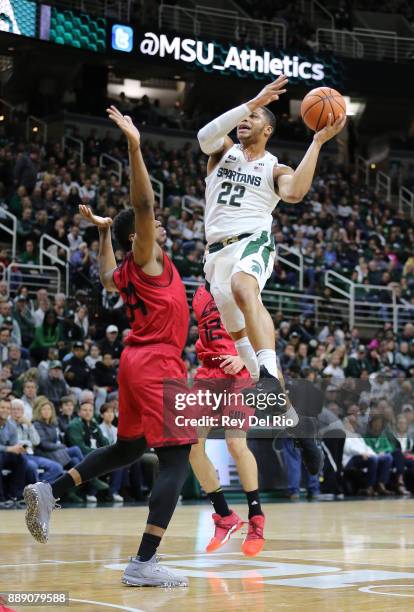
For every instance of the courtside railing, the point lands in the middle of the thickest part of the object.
(74, 144)
(361, 43)
(369, 305)
(57, 253)
(8, 224)
(158, 189)
(209, 22)
(111, 163)
(34, 277)
(406, 201)
(295, 262)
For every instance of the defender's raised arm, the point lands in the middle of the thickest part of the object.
(144, 245)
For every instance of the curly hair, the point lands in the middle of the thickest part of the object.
(123, 227)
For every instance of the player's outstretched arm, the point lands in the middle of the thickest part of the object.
(106, 257)
(293, 186)
(213, 137)
(145, 248)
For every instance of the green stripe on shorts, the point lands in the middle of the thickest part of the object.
(255, 245)
(267, 250)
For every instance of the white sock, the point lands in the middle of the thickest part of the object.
(267, 358)
(247, 354)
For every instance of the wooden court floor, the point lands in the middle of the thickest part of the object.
(337, 556)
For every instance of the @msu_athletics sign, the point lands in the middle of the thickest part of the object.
(231, 59)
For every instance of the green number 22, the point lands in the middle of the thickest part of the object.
(236, 192)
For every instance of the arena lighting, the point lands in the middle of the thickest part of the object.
(373, 166)
(1, 117)
(35, 129)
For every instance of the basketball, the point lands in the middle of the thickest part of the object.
(318, 103)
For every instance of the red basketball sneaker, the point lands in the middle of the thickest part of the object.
(254, 541)
(225, 526)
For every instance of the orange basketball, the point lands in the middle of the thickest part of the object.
(318, 103)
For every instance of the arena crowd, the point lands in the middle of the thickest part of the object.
(59, 353)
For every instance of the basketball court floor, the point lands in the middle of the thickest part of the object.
(337, 556)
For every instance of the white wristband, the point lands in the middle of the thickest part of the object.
(211, 136)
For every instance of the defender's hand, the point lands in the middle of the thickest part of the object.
(100, 222)
(270, 93)
(331, 129)
(124, 122)
(232, 364)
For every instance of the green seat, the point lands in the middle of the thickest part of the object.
(59, 40)
(59, 30)
(67, 37)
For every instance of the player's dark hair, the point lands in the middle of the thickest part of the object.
(270, 118)
(123, 227)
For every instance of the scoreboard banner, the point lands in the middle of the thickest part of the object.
(227, 59)
(18, 17)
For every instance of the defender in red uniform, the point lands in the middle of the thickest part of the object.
(158, 313)
(217, 352)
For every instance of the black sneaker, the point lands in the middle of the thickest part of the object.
(266, 385)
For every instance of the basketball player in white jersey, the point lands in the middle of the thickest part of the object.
(243, 186)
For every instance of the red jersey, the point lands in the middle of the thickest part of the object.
(213, 337)
(156, 306)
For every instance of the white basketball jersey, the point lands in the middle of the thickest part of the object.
(240, 195)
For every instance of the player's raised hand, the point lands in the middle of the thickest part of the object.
(270, 93)
(231, 364)
(331, 129)
(124, 122)
(100, 222)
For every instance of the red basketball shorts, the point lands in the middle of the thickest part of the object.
(144, 410)
(217, 381)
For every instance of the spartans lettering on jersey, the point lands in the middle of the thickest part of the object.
(239, 177)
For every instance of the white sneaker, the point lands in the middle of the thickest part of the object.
(91, 499)
(151, 573)
(117, 498)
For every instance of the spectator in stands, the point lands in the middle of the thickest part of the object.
(296, 470)
(29, 256)
(24, 318)
(4, 344)
(53, 385)
(359, 455)
(26, 169)
(29, 398)
(105, 379)
(66, 414)
(28, 437)
(84, 432)
(111, 343)
(77, 372)
(11, 458)
(45, 422)
(357, 363)
(48, 334)
(6, 320)
(17, 364)
(94, 356)
(405, 444)
(380, 443)
(110, 433)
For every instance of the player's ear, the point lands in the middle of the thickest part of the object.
(268, 130)
(131, 237)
